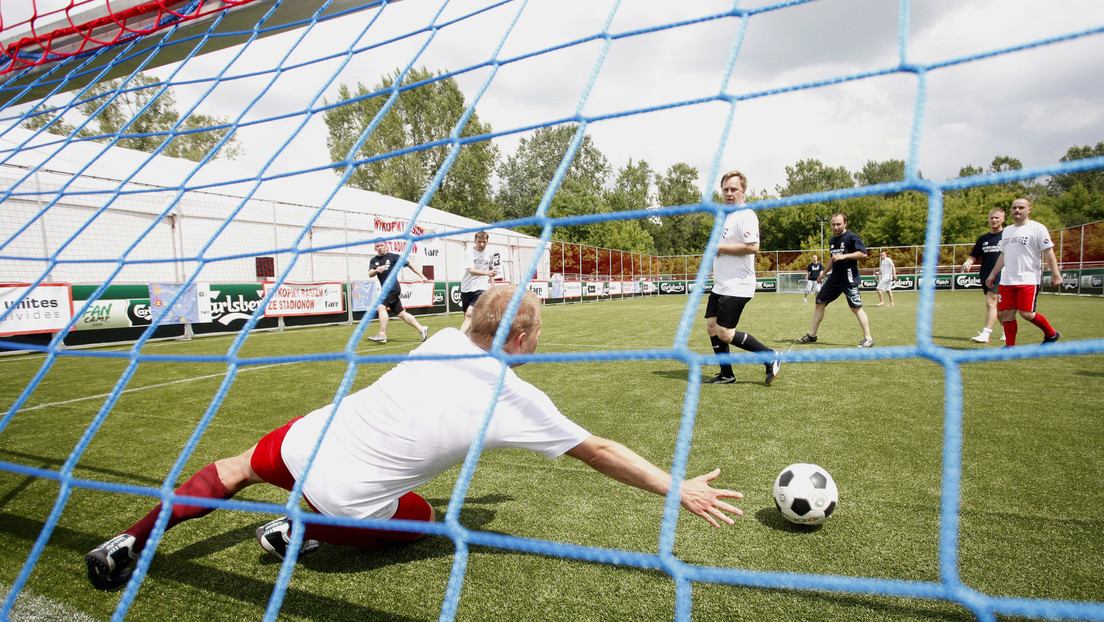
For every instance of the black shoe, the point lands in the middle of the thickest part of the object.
(807, 338)
(721, 379)
(274, 538)
(772, 370)
(1053, 339)
(108, 563)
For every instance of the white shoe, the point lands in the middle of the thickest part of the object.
(378, 338)
(424, 332)
(981, 337)
(1002, 336)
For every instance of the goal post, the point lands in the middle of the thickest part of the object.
(791, 282)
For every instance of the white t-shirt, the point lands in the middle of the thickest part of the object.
(734, 275)
(415, 422)
(886, 266)
(1023, 248)
(485, 260)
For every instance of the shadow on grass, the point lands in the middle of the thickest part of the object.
(189, 565)
(681, 375)
(771, 517)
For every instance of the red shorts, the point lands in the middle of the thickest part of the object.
(1017, 297)
(269, 465)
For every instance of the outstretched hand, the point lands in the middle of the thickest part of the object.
(705, 501)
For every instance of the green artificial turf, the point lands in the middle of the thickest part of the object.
(1032, 484)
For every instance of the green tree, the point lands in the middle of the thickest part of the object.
(53, 124)
(813, 176)
(525, 176)
(797, 226)
(873, 173)
(632, 190)
(143, 114)
(1092, 180)
(418, 116)
(680, 234)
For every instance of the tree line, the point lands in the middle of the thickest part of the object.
(430, 110)
(413, 123)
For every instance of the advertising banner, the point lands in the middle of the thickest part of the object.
(904, 282)
(767, 284)
(364, 292)
(47, 308)
(672, 287)
(413, 295)
(115, 313)
(647, 287)
(572, 289)
(192, 307)
(942, 281)
(540, 288)
(593, 289)
(1069, 282)
(416, 295)
(1091, 282)
(304, 299)
(614, 288)
(968, 281)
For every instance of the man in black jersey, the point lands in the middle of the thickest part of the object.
(845, 250)
(380, 266)
(986, 251)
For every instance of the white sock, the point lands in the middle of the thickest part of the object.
(986, 331)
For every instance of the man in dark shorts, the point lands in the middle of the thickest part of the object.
(479, 268)
(734, 282)
(986, 251)
(812, 278)
(845, 249)
(380, 266)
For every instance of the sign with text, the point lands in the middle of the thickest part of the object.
(304, 299)
(540, 288)
(46, 308)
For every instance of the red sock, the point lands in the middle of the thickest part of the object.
(1010, 332)
(1043, 324)
(205, 483)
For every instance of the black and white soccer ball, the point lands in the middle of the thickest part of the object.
(805, 494)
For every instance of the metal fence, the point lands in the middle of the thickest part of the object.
(1077, 248)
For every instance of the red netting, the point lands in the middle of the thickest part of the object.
(79, 37)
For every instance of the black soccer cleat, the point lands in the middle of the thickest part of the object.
(108, 564)
(1052, 339)
(274, 538)
(772, 369)
(807, 338)
(721, 379)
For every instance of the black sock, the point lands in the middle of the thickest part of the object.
(747, 342)
(720, 347)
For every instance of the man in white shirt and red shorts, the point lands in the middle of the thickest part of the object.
(1024, 245)
(418, 420)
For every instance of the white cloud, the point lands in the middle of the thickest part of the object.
(1032, 104)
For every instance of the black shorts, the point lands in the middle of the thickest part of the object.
(727, 309)
(996, 284)
(468, 299)
(393, 302)
(831, 291)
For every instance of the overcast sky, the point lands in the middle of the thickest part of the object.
(1032, 104)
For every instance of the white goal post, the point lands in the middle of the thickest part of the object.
(791, 283)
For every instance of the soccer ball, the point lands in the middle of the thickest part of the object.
(805, 494)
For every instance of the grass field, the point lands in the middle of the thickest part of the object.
(1031, 520)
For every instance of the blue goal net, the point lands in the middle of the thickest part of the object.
(255, 100)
